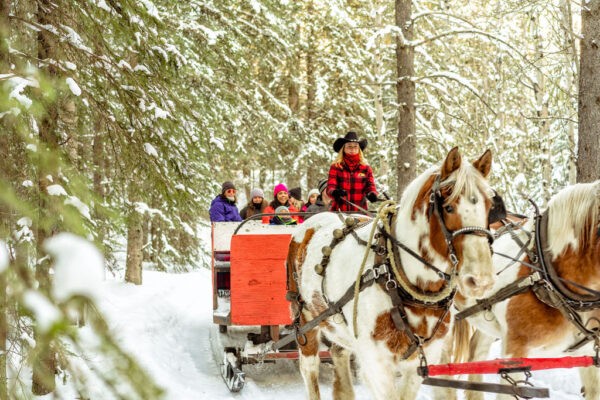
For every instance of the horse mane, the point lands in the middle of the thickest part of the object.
(466, 180)
(573, 217)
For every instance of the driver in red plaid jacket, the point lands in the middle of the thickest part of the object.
(350, 177)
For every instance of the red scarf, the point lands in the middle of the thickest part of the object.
(352, 161)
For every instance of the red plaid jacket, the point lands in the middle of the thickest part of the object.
(356, 183)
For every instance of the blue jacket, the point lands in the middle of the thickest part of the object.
(222, 209)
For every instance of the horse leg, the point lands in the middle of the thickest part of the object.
(342, 379)
(410, 382)
(590, 382)
(378, 374)
(479, 348)
(309, 364)
(445, 358)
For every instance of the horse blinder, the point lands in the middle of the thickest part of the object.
(498, 209)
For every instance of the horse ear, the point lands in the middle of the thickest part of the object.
(451, 163)
(484, 164)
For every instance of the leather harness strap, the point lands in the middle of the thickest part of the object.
(578, 301)
(367, 279)
(517, 287)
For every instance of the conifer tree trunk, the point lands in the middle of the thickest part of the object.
(44, 365)
(98, 174)
(572, 57)
(310, 77)
(541, 99)
(4, 210)
(406, 164)
(405, 89)
(588, 161)
(380, 127)
(157, 229)
(135, 243)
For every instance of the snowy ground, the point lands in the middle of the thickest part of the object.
(165, 324)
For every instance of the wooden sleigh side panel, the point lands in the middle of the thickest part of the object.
(258, 279)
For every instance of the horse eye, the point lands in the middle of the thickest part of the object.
(449, 209)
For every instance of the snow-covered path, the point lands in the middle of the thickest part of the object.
(165, 324)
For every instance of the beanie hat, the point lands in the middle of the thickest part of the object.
(227, 185)
(313, 191)
(256, 193)
(280, 188)
(283, 210)
(322, 185)
(296, 193)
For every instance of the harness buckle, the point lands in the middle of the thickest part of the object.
(453, 259)
(381, 270)
(432, 197)
(391, 284)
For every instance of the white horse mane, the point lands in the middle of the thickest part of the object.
(569, 212)
(466, 180)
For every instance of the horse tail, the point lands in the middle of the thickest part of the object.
(462, 333)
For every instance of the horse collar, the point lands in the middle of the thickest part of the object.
(578, 300)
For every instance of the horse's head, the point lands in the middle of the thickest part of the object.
(454, 202)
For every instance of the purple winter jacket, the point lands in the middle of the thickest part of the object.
(222, 209)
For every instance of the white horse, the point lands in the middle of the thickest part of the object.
(527, 326)
(442, 220)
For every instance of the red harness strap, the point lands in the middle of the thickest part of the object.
(499, 365)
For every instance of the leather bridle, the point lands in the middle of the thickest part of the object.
(436, 207)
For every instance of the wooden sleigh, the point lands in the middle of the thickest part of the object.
(250, 307)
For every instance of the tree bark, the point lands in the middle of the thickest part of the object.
(44, 366)
(572, 58)
(4, 35)
(541, 100)
(406, 163)
(98, 175)
(4, 210)
(135, 243)
(588, 147)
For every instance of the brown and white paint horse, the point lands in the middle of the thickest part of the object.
(377, 344)
(526, 326)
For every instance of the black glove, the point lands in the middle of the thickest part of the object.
(338, 194)
(372, 197)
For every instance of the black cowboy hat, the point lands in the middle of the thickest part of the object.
(350, 137)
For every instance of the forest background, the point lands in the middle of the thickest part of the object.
(119, 119)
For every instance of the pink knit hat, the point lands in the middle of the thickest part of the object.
(279, 188)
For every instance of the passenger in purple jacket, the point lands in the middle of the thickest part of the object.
(223, 206)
